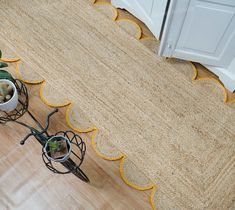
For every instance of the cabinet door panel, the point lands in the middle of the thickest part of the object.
(158, 14)
(207, 32)
(146, 5)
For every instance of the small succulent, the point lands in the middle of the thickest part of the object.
(6, 92)
(55, 146)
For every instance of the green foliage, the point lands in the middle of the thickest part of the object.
(6, 75)
(55, 146)
(3, 65)
(3, 73)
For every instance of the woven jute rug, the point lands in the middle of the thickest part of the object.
(171, 131)
(107, 9)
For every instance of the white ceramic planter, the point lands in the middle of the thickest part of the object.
(64, 158)
(13, 102)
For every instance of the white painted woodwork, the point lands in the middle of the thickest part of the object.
(151, 12)
(197, 30)
(202, 31)
(226, 75)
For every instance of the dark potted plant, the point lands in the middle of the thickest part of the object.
(58, 149)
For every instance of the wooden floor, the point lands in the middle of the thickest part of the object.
(25, 183)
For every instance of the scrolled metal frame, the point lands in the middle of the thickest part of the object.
(72, 166)
(22, 106)
(75, 140)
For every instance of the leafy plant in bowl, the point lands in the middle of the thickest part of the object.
(58, 148)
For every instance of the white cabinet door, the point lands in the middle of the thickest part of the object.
(151, 12)
(146, 5)
(201, 31)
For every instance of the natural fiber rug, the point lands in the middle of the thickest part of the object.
(151, 43)
(168, 131)
(107, 9)
(130, 27)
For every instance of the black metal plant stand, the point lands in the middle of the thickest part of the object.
(73, 163)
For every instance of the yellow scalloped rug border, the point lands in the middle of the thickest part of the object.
(18, 75)
(9, 60)
(195, 76)
(95, 131)
(107, 3)
(45, 101)
(138, 35)
(93, 142)
(218, 82)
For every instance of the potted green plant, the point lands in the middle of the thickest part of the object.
(58, 148)
(8, 91)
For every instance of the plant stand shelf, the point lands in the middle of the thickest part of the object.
(76, 157)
